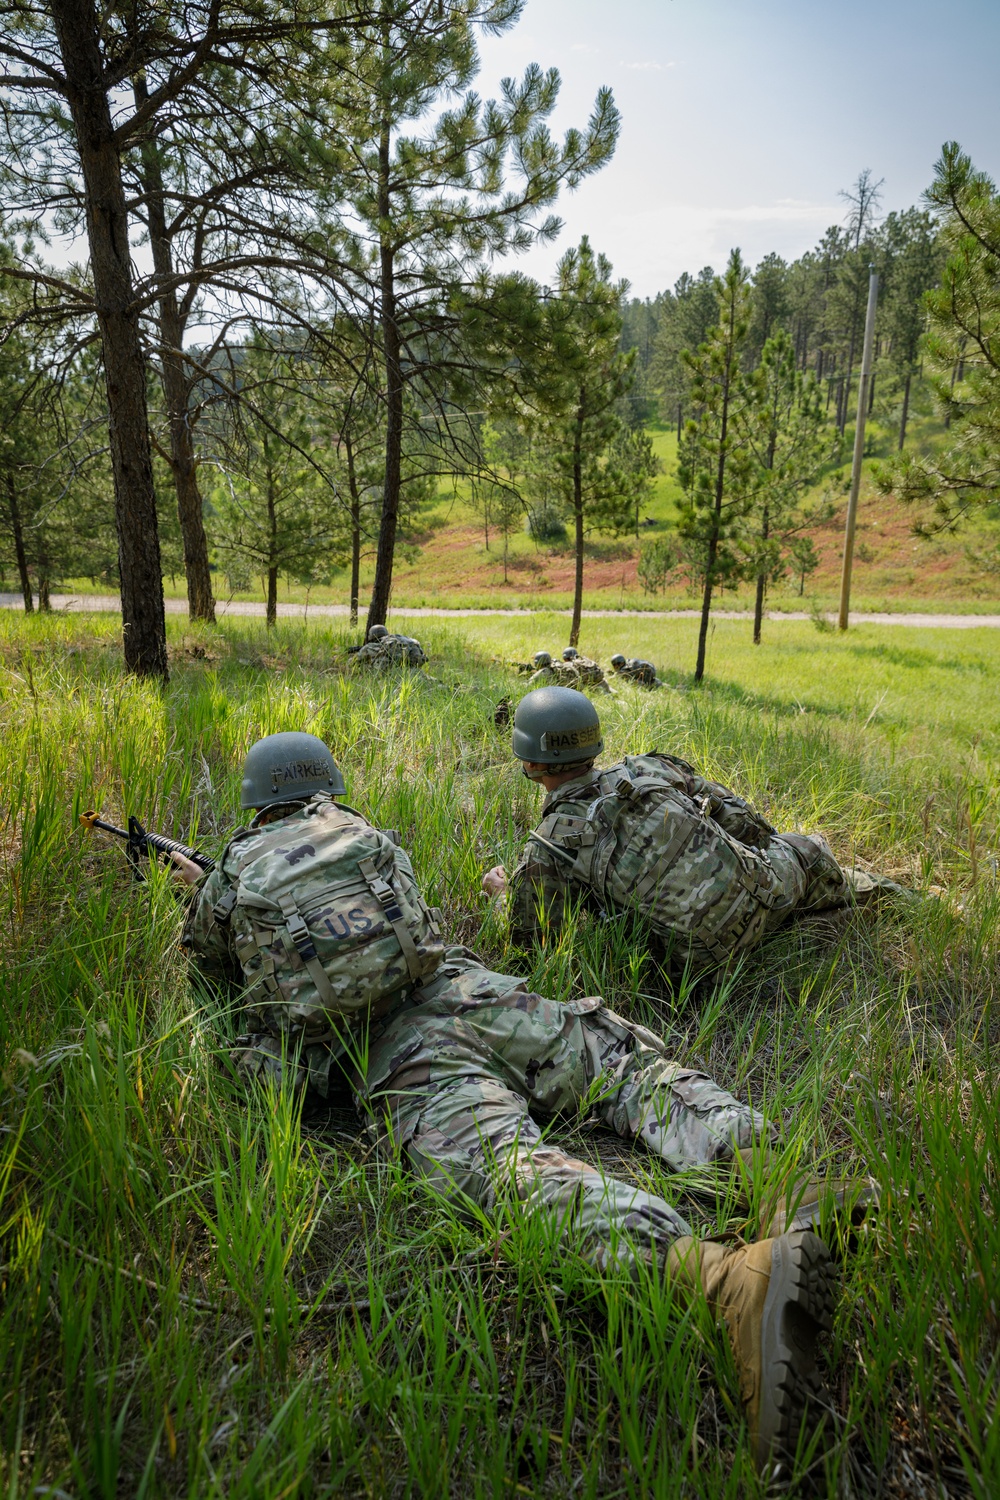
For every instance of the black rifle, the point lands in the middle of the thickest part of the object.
(139, 844)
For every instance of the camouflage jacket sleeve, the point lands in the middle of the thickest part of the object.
(733, 815)
(538, 895)
(203, 939)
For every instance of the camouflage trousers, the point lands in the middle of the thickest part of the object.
(807, 877)
(461, 1079)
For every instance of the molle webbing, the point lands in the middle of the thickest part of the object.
(386, 897)
(663, 819)
(627, 791)
(305, 948)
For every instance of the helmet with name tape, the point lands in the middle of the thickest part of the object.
(288, 767)
(556, 726)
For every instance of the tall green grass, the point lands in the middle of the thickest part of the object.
(204, 1294)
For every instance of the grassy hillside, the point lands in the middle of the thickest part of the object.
(205, 1295)
(458, 561)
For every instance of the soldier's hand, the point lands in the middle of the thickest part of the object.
(495, 881)
(187, 870)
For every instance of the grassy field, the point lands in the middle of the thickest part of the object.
(206, 1295)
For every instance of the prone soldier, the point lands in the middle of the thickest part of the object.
(591, 675)
(650, 834)
(315, 916)
(634, 669)
(546, 671)
(383, 650)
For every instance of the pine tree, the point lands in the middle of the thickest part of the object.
(687, 313)
(769, 302)
(714, 460)
(424, 197)
(85, 85)
(275, 509)
(581, 376)
(964, 335)
(785, 433)
(911, 259)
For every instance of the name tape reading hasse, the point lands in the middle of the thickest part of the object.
(558, 741)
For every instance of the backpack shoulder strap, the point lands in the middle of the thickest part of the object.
(386, 897)
(299, 933)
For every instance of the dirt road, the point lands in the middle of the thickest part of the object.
(108, 604)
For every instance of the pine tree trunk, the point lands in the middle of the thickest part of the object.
(906, 410)
(713, 540)
(272, 553)
(391, 346)
(706, 604)
(758, 608)
(44, 600)
(143, 623)
(19, 553)
(176, 391)
(352, 484)
(574, 632)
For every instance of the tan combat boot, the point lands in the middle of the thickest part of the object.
(798, 1199)
(775, 1297)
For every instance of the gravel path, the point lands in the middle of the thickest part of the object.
(109, 603)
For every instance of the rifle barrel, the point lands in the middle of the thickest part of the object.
(140, 842)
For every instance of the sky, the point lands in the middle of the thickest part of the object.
(743, 119)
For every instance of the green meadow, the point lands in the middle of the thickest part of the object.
(205, 1294)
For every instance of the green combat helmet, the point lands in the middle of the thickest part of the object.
(570, 654)
(618, 661)
(542, 658)
(288, 767)
(378, 633)
(556, 726)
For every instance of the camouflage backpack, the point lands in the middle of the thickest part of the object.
(645, 843)
(325, 917)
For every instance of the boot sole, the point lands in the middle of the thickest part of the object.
(797, 1309)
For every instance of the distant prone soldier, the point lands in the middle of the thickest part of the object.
(547, 673)
(590, 674)
(383, 650)
(634, 669)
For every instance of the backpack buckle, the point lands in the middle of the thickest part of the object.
(296, 928)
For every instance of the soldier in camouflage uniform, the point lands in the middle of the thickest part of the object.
(730, 880)
(591, 675)
(634, 669)
(546, 671)
(458, 1073)
(383, 650)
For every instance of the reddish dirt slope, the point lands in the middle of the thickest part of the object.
(891, 564)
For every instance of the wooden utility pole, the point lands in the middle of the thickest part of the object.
(859, 450)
